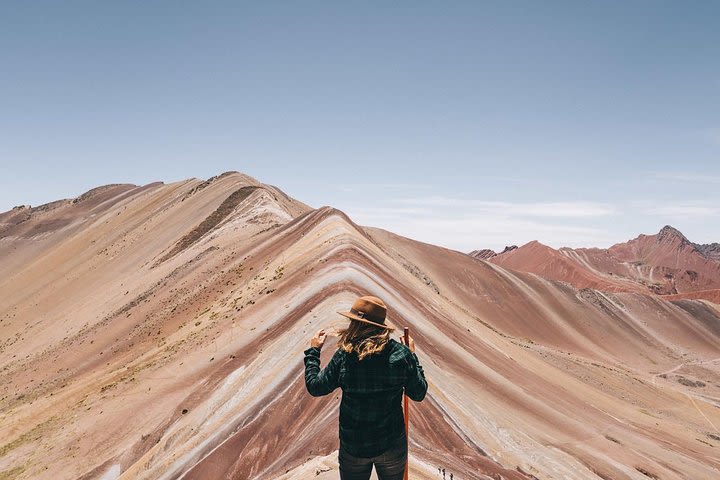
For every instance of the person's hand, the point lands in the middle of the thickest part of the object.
(412, 342)
(319, 339)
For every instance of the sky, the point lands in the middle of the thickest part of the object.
(464, 124)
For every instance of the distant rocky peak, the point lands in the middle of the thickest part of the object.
(668, 231)
(486, 253)
(710, 251)
(483, 254)
(671, 233)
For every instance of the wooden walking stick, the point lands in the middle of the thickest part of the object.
(407, 413)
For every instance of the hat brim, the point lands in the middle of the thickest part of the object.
(352, 316)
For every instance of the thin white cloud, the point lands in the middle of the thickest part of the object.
(688, 177)
(434, 201)
(359, 187)
(456, 220)
(387, 212)
(409, 187)
(467, 225)
(559, 209)
(466, 233)
(529, 209)
(684, 211)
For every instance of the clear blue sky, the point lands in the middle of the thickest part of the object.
(465, 124)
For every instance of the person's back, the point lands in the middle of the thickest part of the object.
(373, 370)
(371, 416)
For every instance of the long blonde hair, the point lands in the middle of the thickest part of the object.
(363, 338)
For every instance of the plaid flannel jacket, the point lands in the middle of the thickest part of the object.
(371, 417)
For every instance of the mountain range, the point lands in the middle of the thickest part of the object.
(157, 331)
(666, 263)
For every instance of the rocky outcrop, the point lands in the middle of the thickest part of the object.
(709, 250)
(483, 254)
(486, 253)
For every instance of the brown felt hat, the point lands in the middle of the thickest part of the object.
(368, 309)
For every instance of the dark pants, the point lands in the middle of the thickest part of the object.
(389, 465)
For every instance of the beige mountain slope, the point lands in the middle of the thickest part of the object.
(157, 332)
(666, 263)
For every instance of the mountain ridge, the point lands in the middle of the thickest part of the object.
(193, 367)
(666, 263)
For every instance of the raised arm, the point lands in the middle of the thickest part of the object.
(319, 382)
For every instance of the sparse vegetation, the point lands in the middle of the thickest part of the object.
(107, 387)
(706, 443)
(34, 434)
(690, 383)
(12, 473)
(646, 473)
(644, 411)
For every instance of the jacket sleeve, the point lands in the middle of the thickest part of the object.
(416, 386)
(319, 382)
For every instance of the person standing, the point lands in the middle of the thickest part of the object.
(373, 370)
